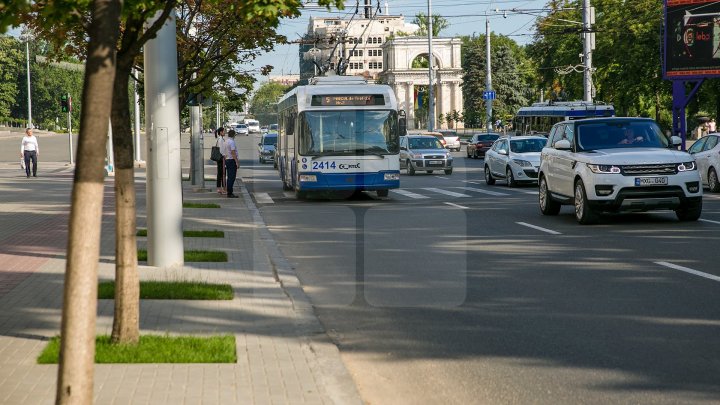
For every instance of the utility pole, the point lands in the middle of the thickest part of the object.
(588, 46)
(162, 128)
(488, 75)
(431, 96)
(197, 151)
(69, 118)
(138, 158)
(27, 61)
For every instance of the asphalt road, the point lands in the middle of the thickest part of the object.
(453, 291)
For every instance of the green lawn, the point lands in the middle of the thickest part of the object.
(193, 256)
(200, 205)
(173, 290)
(192, 234)
(156, 349)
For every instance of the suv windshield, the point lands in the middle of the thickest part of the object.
(619, 134)
(527, 145)
(270, 140)
(425, 143)
(348, 132)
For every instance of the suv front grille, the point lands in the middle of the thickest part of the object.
(642, 170)
(434, 156)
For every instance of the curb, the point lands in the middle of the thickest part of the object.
(339, 386)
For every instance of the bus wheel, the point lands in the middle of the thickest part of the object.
(301, 195)
(383, 193)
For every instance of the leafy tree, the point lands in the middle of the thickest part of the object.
(10, 66)
(439, 23)
(263, 105)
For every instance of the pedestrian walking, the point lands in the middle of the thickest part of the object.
(220, 143)
(29, 151)
(231, 163)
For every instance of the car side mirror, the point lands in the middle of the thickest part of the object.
(502, 152)
(563, 144)
(259, 143)
(402, 123)
(403, 148)
(675, 140)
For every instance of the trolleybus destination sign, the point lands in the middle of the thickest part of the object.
(347, 100)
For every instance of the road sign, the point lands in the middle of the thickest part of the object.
(488, 95)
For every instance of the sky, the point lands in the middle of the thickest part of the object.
(466, 17)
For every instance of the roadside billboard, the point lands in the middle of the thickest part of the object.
(692, 39)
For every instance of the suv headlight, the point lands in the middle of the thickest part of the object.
(686, 166)
(416, 155)
(521, 162)
(604, 169)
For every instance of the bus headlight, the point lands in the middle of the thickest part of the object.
(392, 176)
(308, 178)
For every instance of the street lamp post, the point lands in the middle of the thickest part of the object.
(26, 38)
(431, 96)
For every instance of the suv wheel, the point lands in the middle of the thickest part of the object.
(448, 171)
(583, 213)
(410, 168)
(713, 181)
(510, 178)
(488, 176)
(548, 206)
(689, 211)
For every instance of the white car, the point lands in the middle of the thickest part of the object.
(242, 129)
(452, 140)
(615, 165)
(515, 160)
(706, 151)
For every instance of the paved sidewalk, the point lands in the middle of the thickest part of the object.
(284, 355)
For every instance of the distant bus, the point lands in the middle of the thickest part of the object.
(339, 133)
(540, 117)
(253, 125)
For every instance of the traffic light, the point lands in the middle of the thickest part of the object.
(65, 103)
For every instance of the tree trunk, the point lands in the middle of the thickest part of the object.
(77, 347)
(127, 283)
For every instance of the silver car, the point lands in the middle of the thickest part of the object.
(515, 160)
(266, 147)
(242, 129)
(424, 152)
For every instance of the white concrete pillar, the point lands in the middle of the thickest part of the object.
(162, 127)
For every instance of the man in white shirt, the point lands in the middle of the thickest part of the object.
(29, 151)
(232, 162)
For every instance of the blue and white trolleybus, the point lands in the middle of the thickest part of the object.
(339, 133)
(540, 117)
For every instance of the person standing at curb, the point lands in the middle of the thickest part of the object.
(232, 163)
(30, 150)
(220, 143)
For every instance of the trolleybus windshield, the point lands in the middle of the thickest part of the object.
(348, 132)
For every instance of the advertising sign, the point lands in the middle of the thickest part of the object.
(692, 39)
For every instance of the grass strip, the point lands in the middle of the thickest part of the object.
(173, 290)
(193, 256)
(155, 349)
(200, 205)
(192, 234)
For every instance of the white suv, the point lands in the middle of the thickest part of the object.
(614, 165)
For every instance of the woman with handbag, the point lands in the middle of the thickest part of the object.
(220, 160)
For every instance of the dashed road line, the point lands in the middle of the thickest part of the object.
(689, 270)
(409, 194)
(457, 206)
(539, 228)
(519, 190)
(446, 192)
(707, 220)
(483, 191)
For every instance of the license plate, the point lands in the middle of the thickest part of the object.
(651, 181)
(435, 162)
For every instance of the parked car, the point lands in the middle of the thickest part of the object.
(480, 143)
(266, 147)
(614, 165)
(515, 160)
(706, 151)
(242, 129)
(424, 152)
(451, 138)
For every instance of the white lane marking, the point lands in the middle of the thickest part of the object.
(443, 177)
(289, 194)
(263, 198)
(409, 194)
(689, 270)
(707, 220)
(446, 192)
(519, 190)
(457, 206)
(539, 228)
(713, 197)
(474, 181)
(480, 190)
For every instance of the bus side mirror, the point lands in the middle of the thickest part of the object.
(402, 122)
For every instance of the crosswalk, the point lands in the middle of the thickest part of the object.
(421, 193)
